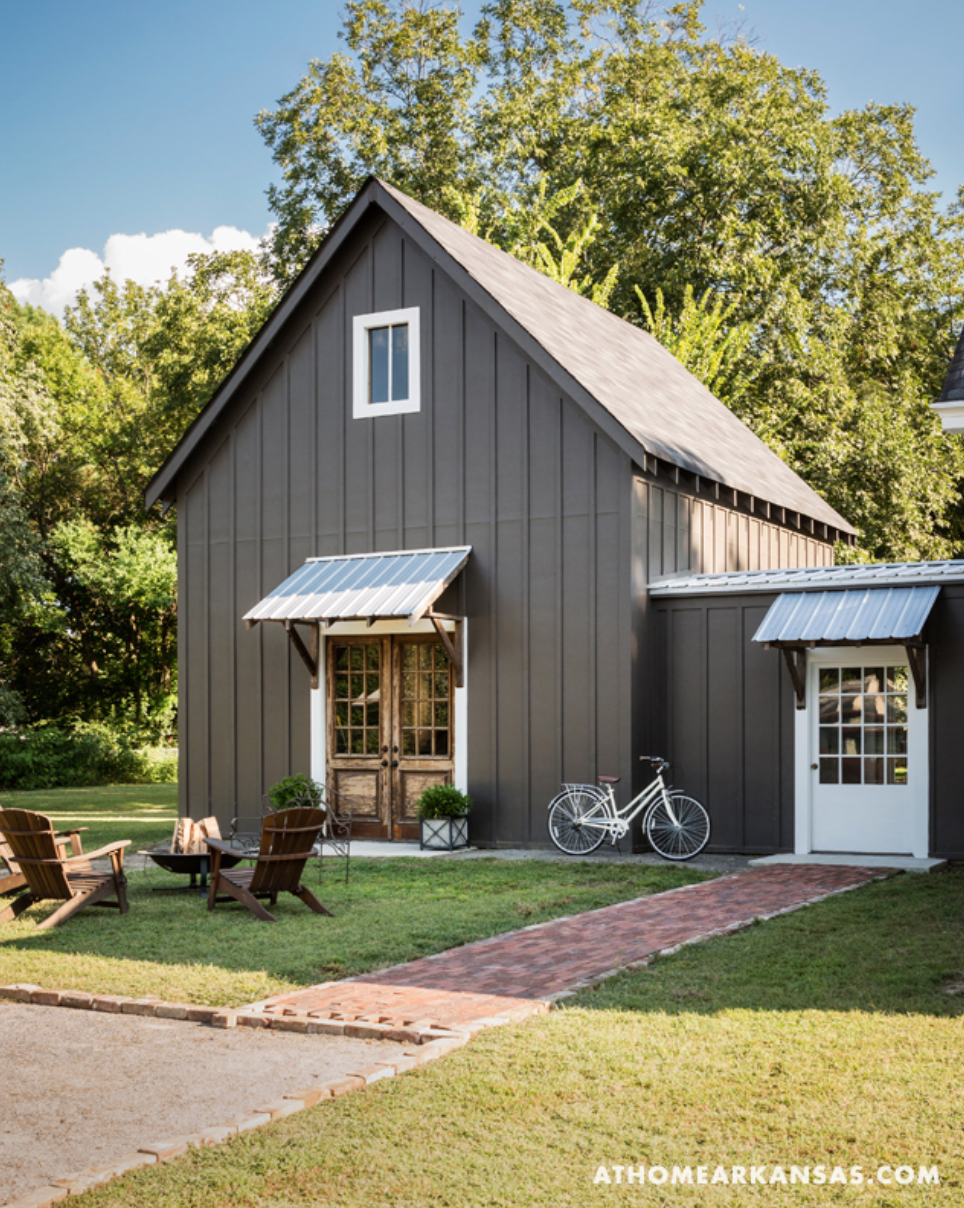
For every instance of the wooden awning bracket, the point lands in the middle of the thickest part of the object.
(452, 648)
(917, 657)
(309, 653)
(796, 661)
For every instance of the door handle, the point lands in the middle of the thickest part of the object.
(394, 763)
(813, 767)
(384, 763)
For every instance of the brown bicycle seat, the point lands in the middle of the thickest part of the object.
(609, 779)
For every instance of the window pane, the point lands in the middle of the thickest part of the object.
(829, 771)
(897, 740)
(896, 771)
(371, 742)
(400, 361)
(378, 365)
(873, 771)
(441, 742)
(829, 710)
(873, 679)
(873, 709)
(896, 708)
(850, 771)
(896, 679)
(852, 679)
(850, 708)
(874, 742)
(851, 740)
(341, 742)
(829, 679)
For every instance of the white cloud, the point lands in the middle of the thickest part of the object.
(145, 259)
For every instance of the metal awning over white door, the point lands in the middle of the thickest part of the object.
(878, 615)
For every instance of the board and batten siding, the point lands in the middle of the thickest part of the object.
(727, 718)
(496, 458)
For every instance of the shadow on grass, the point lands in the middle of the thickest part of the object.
(893, 946)
(171, 946)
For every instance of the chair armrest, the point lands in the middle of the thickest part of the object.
(119, 845)
(223, 846)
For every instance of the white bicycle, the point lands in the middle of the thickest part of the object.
(582, 816)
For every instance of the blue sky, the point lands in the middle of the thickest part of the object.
(129, 119)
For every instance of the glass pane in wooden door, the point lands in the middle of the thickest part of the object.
(425, 702)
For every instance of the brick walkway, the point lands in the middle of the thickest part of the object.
(521, 973)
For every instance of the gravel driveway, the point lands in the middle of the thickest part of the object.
(83, 1088)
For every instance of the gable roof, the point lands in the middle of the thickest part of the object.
(631, 387)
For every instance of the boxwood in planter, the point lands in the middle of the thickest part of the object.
(443, 822)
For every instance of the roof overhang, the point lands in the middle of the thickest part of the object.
(951, 415)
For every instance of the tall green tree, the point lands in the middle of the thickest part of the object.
(703, 164)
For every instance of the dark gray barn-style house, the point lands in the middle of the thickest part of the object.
(418, 525)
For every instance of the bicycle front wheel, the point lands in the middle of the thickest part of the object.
(678, 830)
(577, 820)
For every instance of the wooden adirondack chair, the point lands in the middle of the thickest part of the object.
(50, 875)
(13, 878)
(287, 838)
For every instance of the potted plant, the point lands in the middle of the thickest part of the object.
(443, 822)
(297, 790)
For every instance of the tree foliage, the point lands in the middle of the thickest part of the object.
(620, 137)
(88, 411)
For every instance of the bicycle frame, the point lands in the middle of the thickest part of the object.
(619, 821)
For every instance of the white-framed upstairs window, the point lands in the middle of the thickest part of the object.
(385, 360)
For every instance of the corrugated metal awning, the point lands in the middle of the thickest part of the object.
(874, 614)
(362, 587)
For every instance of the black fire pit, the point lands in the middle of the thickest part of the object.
(193, 864)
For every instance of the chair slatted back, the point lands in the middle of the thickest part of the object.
(6, 851)
(31, 838)
(287, 838)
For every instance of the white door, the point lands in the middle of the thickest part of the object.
(868, 753)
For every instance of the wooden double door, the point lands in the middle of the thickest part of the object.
(390, 718)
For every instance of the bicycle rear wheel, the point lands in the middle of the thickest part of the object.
(577, 819)
(680, 834)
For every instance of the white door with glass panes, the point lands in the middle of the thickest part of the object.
(868, 766)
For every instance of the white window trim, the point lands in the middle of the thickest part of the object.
(362, 324)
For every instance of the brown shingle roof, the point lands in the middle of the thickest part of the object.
(656, 400)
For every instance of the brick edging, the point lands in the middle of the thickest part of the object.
(221, 1017)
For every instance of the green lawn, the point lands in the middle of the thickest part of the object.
(143, 813)
(821, 1038)
(172, 947)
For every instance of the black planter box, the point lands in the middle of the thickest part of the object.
(443, 834)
